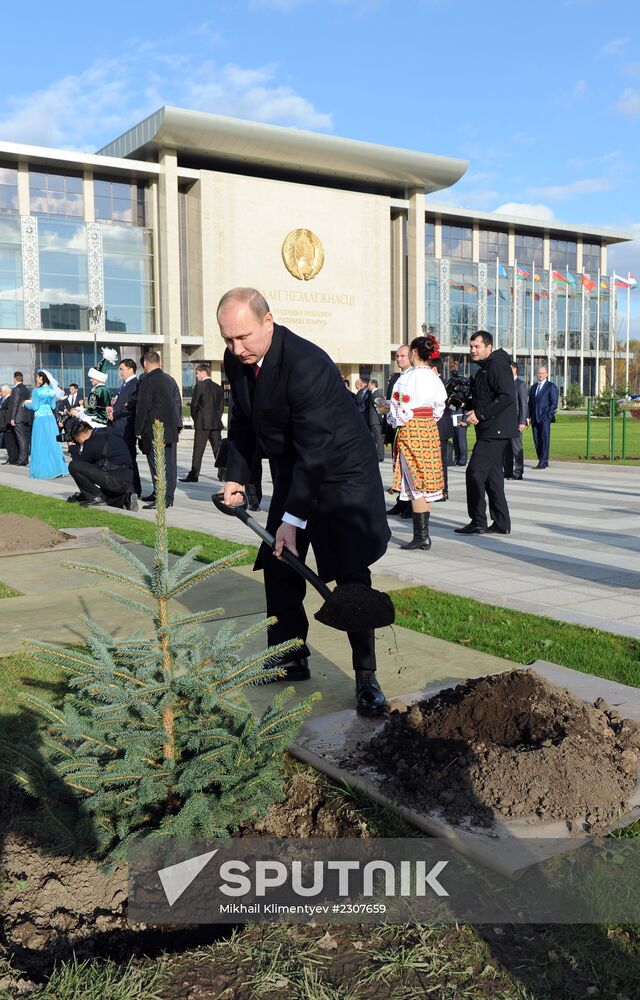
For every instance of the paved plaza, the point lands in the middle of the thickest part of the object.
(573, 553)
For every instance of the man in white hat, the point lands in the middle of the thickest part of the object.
(99, 397)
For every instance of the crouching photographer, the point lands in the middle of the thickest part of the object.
(104, 472)
(492, 411)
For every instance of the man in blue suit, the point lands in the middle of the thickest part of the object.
(543, 403)
(122, 413)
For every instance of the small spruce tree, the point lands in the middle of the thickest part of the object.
(154, 736)
(575, 397)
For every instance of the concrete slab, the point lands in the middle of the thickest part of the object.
(508, 847)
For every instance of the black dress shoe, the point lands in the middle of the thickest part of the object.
(297, 669)
(153, 505)
(398, 508)
(494, 530)
(517, 477)
(470, 529)
(94, 502)
(443, 498)
(370, 699)
(407, 514)
(74, 498)
(150, 499)
(189, 479)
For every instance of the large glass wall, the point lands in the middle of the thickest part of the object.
(71, 362)
(8, 189)
(11, 304)
(591, 258)
(563, 254)
(463, 298)
(494, 243)
(119, 201)
(128, 279)
(456, 242)
(64, 280)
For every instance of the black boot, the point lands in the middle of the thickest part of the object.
(370, 699)
(398, 508)
(420, 538)
(191, 477)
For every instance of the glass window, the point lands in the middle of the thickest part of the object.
(463, 296)
(119, 201)
(430, 239)
(456, 242)
(529, 249)
(494, 243)
(563, 254)
(8, 189)
(591, 258)
(128, 279)
(56, 194)
(11, 294)
(64, 281)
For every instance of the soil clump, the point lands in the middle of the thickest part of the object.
(507, 746)
(19, 534)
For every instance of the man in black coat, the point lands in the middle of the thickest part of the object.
(207, 404)
(513, 459)
(104, 471)
(122, 415)
(288, 397)
(19, 418)
(159, 399)
(493, 414)
(401, 508)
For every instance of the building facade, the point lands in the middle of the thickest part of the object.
(132, 247)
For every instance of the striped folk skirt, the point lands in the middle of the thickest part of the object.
(417, 460)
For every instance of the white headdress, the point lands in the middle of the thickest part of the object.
(53, 383)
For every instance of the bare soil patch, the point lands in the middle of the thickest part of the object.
(20, 534)
(505, 746)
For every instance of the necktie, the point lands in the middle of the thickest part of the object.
(122, 385)
(256, 370)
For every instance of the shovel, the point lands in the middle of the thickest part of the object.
(351, 607)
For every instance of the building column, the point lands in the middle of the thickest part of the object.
(416, 264)
(170, 325)
(398, 291)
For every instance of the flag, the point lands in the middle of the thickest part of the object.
(560, 277)
(536, 277)
(621, 282)
(571, 279)
(522, 273)
(588, 283)
(502, 271)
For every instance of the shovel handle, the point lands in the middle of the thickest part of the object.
(240, 511)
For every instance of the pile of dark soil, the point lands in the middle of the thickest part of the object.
(509, 745)
(18, 533)
(54, 905)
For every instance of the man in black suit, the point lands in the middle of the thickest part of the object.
(20, 418)
(5, 393)
(543, 403)
(207, 404)
(513, 458)
(401, 508)
(493, 414)
(104, 471)
(159, 399)
(288, 397)
(122, 414)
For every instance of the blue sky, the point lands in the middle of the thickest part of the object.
(543, 99)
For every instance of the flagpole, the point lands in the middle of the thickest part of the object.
(626, 367)
(598, 337)
(582, 300)
(566, 335)
(549, 302)
(533, 313)
(613, 320)
(515, 311)
(497, 296)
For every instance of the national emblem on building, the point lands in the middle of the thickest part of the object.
(303, 254)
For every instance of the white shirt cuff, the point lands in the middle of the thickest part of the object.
(296, 521)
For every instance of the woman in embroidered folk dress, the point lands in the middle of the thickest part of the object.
(416, 405)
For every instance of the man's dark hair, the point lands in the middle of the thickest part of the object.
(204, 368)
(153, 357)
(373, 381)
(18, 375)
(81, 429)
(73, 385)
(514, 367)
(129, 363)
(482, 335)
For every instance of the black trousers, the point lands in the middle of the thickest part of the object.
(485, 475)
(171, 461)
(285, 590)
(94, 482)
(23, 437)
(200, 439)
(460, 444)
(513, 458)
(11, 444)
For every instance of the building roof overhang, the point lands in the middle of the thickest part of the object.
(198, 137)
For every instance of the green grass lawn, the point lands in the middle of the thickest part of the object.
(569, 438)
(60, 514)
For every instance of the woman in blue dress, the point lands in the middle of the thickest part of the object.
(47, 460)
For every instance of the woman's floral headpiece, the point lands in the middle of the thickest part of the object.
(436, 350)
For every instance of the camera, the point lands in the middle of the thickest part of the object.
(459, 391)
(67, 424)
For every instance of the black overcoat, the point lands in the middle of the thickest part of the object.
(494, 398)
(207, 405)
(158, 399)
(325, 458)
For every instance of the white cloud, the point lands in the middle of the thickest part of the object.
(87, 109)
(628, 104)
(613, 47)
(526, 210)
(588, 185)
